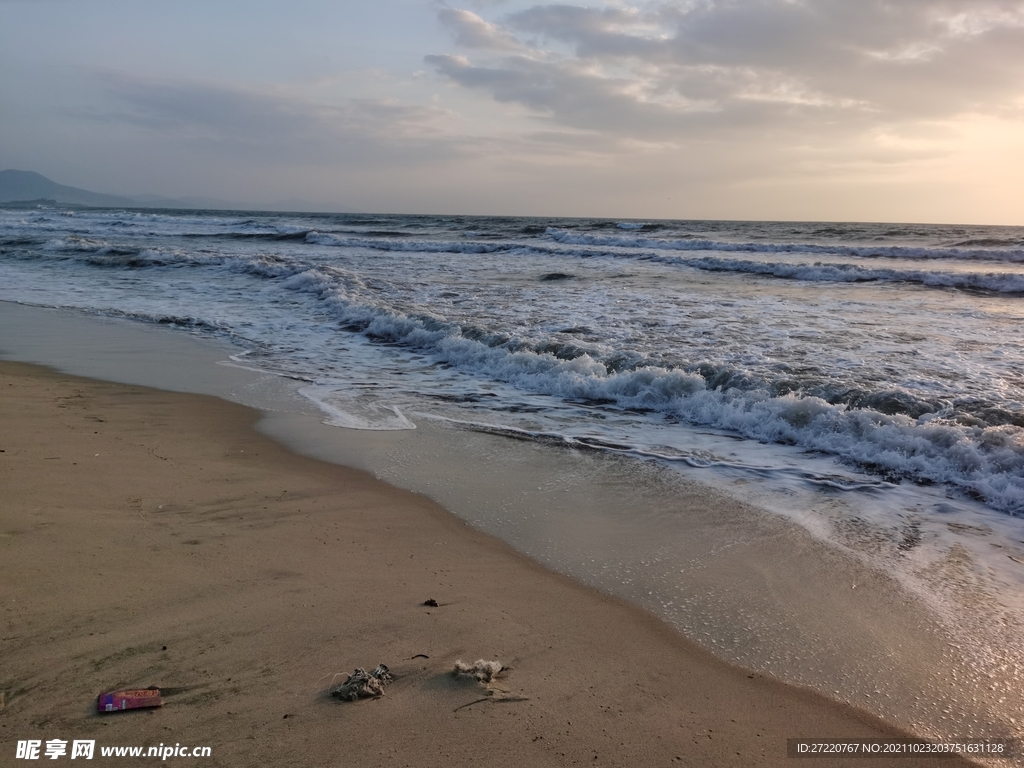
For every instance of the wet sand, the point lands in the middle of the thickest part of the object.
(150, 538)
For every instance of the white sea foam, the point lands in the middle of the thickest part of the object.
(988, 462)
(345, 409)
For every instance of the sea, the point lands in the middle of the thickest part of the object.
(861, 383)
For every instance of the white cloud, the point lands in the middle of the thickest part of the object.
(471, 31)
(643, 71)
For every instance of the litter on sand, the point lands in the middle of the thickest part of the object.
(117, 701)
(481, 671)
(362, 684)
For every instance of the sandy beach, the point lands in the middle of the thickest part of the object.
(662, 362)
(156, 539)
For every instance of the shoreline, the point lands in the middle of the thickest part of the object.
(752, 588)
(232, 568)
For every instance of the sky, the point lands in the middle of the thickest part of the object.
(873, 110)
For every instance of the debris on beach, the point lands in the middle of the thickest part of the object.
(481, 671)
(118, 701)
(362, 684)
(485, 674)
(431, 602)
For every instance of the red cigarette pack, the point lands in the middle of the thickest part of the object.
(116, 701)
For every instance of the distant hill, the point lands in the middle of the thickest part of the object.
(27, 185)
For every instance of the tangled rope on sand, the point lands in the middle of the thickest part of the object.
(362, 684)
(482, 671)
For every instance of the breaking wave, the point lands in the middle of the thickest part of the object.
(986, 462)
(989, 253)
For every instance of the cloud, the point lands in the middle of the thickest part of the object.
(277, 126)
(595, 32)
(575, 96)
(693, 68)
(471, 31)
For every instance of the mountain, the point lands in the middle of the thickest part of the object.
(26, 185)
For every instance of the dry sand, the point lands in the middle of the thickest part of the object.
(153, 538)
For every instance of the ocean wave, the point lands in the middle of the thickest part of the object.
(569, 344)
(422, 246)
(19, 240)
(270, 236)
(986, 462)
(178, 321)
(1009, 254)
(990, 242)
(100, 253)
(996, 282)
(699, 459)
(103, 253)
